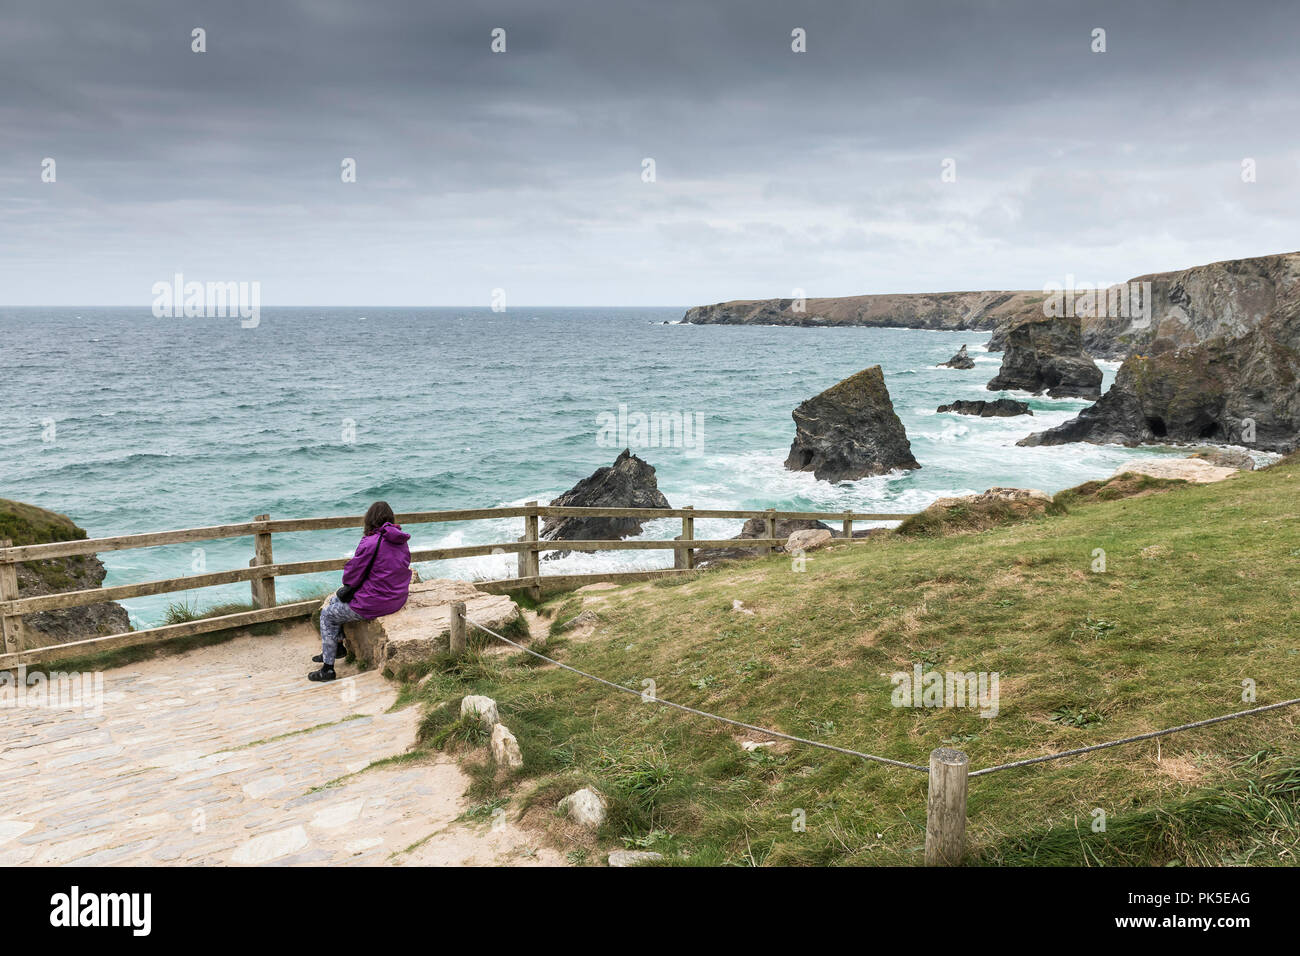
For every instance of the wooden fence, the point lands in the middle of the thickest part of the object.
(263, 570)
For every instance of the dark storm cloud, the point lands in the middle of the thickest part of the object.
(522, 170)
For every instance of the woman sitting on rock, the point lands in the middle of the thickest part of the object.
(376, 581)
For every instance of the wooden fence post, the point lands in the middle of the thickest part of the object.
(684, 558)
(533, 568)
(769, 530)
(457, 640)
(11, 626)
(848, 525)
(263, 588)
(945, 811)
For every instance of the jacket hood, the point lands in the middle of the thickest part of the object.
(393, 534)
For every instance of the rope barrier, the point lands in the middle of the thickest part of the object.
(702, 713)
(1129, 740)
(886, 760)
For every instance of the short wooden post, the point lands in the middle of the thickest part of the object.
(457, 641)
(532, 568)
(945, 812)
(769, 529)
(688, 534)
(11, 626)
(263, 588)
(848, 525)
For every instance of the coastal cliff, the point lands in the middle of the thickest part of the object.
(1242, 390)
(1186, 307)
(979, 311)
(1219, 300)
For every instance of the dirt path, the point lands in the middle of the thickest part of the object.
(228, 755)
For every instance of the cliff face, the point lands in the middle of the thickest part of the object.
(1189, 306)
(944, 310)
(1240, 389)
(28, 524)
(1222, 299)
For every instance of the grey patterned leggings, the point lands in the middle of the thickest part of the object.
(332, 619)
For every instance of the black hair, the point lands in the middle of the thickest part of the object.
(377, 516)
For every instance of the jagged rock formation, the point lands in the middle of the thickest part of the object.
(999, 408)
(27, 524)
(1046, 355)
(1221, 299)
(1242, 390)
(960, 360)
(943, 310)
(1188, 306)
(850, 431)
(628, 483)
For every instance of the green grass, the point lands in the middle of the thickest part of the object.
(1197, 597)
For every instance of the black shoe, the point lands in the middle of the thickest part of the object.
(341, 653)
(326, 672)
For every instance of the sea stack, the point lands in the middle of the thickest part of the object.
(850, 431)
(960, 360)
(1046, 355)
(628, 483)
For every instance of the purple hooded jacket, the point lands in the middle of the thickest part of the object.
(385, 590)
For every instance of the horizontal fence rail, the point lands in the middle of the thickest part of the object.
(263, 571)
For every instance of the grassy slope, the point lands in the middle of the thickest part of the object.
(1198, 595)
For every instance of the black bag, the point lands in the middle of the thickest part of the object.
(346, 593)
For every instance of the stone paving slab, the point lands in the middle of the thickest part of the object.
(227, 755)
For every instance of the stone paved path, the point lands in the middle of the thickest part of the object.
(222, 755)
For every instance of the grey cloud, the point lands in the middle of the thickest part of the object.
(523, 170)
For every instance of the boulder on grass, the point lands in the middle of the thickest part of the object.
(585, 807)
(505, 748)
(997, 506)
(484, 708)
(422, 628)
(808, 540)
(633, 857)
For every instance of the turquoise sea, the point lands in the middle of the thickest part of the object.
(130, 423)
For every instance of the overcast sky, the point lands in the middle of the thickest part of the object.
(522, 170)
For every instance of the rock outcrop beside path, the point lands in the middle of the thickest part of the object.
(850, 431)
(28, 524)
(422, 628)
